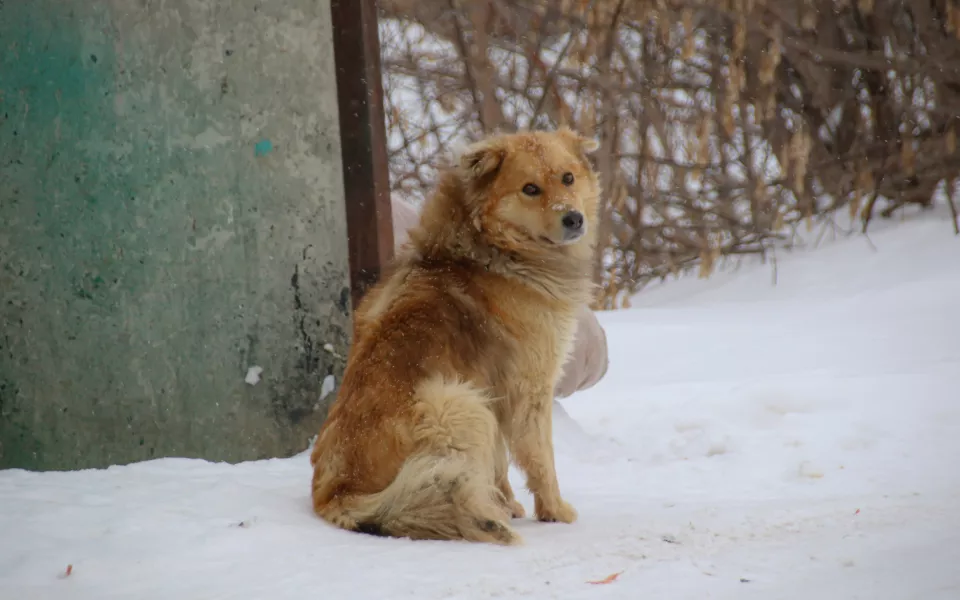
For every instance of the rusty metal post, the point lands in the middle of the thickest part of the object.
(363, 140)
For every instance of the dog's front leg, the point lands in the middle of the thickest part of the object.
(531, 443)
(502, 474)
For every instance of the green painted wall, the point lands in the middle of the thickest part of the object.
(171, 214)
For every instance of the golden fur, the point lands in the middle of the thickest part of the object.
(457, 350)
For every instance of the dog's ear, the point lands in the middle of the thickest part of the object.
(582, 145)
(482, 158)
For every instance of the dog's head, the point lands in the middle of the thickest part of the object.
(533, 191)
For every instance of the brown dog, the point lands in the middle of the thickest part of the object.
(457, 350)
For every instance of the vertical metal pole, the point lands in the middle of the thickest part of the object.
(363, 140)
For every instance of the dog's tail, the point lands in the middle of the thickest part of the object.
(445, 490)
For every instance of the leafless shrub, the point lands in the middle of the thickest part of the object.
(725, 125)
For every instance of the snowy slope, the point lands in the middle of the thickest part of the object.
(749, 441)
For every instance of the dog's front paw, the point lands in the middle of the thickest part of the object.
(516, 509)
(555, 511)
(510, 506)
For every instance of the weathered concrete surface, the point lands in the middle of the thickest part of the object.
(171, 214)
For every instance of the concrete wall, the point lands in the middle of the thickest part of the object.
(171, 214)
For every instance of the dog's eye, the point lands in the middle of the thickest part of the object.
(531, 189)
(567, 179)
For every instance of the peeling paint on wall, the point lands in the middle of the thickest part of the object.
(262, 148)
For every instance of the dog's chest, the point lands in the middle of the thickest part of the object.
(541, 341)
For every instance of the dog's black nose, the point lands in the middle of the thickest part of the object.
(572, 221)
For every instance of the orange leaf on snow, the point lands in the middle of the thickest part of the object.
(608, 579)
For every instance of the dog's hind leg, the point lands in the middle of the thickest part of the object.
(456, 421)
(446, 489)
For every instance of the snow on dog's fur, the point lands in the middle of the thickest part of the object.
(457, 349)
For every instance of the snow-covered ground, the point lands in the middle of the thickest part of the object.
(797, 441)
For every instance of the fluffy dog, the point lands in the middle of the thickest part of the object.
(457, 349)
